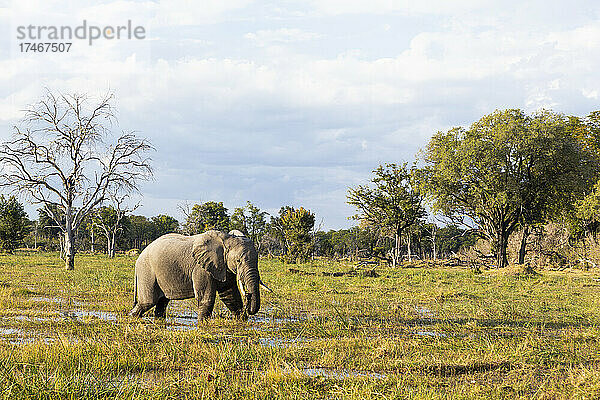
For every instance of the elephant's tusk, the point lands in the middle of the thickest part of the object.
(265, 287)
(241, 287)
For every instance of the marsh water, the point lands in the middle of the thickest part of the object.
(182, 317)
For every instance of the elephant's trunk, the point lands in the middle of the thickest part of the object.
(254, 300)
(249, 283)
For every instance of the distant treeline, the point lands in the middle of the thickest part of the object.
(290, 234)
(533, 180)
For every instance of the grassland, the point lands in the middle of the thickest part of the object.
(417, 333)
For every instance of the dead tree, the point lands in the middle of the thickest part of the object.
(109, 219)
(60, 156)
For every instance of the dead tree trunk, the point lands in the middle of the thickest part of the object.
(69, 238)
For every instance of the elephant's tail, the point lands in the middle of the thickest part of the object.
(135, 292)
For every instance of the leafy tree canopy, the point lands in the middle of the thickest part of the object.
(163, 224)
(207, 216)
(14, 224)
(391, 204)
(251, 221)
(506, 169)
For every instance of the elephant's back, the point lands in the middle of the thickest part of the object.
(171, 244)
(170, 260)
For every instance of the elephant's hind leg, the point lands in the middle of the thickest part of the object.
(160, 311)
(148, 292)
(205, 292)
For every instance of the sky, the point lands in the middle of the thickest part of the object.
(293, 102)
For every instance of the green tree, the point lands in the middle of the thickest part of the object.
(139, 231)
(207, 216)
(251, 221)
(163, 224)
(351, 242)
(507, 170)
(276, 234)
(587, 130)
(322, 243)
(450, 239)
(297, 227)
(391, 206)
(586, 218)
(14, 224)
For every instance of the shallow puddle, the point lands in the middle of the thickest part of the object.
(10, 331)
(265, 319)
(430, 333)
(32, 319)
(340, 373)
(102, 315)
(41, 299)
(279, 342)
(16, 337)
(28, 340)
(424, 312)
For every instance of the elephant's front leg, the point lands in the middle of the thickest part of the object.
(233, 300)
(230, 295)
(205, 291)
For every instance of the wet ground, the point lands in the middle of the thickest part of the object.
(181, 316)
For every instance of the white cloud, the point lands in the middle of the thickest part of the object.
(267, 37)
(337, 7)
(590, 94)
(286, 115)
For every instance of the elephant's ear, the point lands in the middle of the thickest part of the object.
(209, 254)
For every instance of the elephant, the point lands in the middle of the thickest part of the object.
(175, 267)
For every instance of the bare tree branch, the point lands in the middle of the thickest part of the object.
(59, 158)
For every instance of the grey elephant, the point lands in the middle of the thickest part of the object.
(175, 267)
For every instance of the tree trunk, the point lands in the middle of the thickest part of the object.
(69, 240)
(408, 248)
(396, 251)
(434, 243)
(69, 249)
(110, 245)
(523, 248)
(92, 246)
(501, 245)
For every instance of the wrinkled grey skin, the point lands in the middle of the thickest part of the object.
(175, 267)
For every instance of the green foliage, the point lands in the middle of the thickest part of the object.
(139, 231)
(297, 227)
(347, 242)
(587, 130)
(450, 239)
(586, 216)
(391, 206)
(506, 169)
(586, 219)
(105, 215)
(163, 224)
(14, 224)
(251, 221)
(207, 216)
(322, 244)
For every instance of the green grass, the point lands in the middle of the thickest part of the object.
(416, 333)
